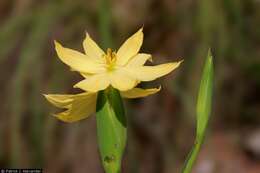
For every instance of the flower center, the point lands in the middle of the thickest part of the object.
(110, 57)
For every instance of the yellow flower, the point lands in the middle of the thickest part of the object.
(80, 106)
(122, 70)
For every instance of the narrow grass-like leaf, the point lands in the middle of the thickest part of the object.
(203, 111)
(205, 97)
(111, 129)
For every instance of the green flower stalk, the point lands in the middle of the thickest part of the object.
(111, 129)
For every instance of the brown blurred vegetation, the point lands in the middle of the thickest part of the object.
(161, 127)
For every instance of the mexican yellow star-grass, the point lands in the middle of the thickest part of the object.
(122, 70)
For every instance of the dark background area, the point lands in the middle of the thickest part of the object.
(161, 127)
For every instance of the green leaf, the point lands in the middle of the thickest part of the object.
(111, 129)
(205, 97)
(203, 111)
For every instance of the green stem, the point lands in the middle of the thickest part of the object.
(105, 24)
(111, 129)
(192, 157)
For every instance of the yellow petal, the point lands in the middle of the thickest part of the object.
(130, 47)
(92, 50)
(139, 92)
(81, 106)
(59, 100)
(121, 80)
(149, 73)
(63, 100)
(86, 75)
(78, 61)
(94, 83)
(139, 60)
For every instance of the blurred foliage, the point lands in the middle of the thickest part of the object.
(160, 126)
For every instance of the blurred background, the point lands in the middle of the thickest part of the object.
(161, 127)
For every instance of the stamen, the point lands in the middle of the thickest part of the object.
(113, 57)
(110, 59)
(109, 56)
